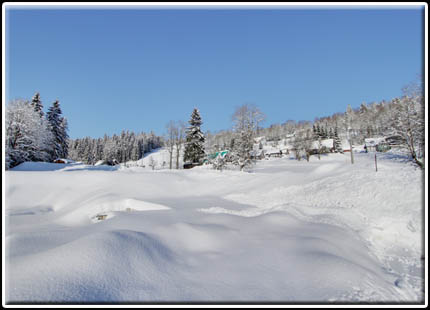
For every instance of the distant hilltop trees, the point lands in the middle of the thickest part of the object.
(127, 146)
(401, 117)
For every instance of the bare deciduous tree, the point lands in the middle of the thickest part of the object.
(171, 135)
(409, 122)
(179, 141)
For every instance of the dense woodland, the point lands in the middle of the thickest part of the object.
(33, 136)
(123, 147)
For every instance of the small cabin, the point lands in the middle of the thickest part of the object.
(371, 144)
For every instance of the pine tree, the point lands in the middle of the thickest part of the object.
(65, 143)
(318, 131)
(324, 133)
(194, 142)
(337, 144)
(315, 132)
(36, 103)
(58, 127)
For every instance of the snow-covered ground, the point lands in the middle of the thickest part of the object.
(289, 231)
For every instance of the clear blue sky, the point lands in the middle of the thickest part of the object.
(137, 69)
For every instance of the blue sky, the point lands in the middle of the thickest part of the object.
(137, 69)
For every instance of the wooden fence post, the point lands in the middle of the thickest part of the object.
(376, 164)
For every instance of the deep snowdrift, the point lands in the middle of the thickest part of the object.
(289, 231)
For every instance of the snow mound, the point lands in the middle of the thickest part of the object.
(111, 266)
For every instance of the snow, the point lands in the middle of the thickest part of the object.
(99, 163)
(289, 231)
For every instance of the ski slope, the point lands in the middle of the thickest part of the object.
(288, 231)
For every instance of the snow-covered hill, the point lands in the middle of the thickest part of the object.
(160, 158)
(290, 231)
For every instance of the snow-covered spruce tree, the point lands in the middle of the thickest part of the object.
(337, 144)
(64, 129)
(36, 103)
(194, 142)
(246, 119)
(58, 127)
(27, 136)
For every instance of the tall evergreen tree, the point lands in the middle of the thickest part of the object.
(36, 103)
(58, 127)
(324, 133)
(194, 142)
(65, 143)
(315, 132)
(337, 144)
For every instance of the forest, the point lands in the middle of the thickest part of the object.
(32, 135)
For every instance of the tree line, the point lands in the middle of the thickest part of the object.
(127, 146)
(33, 136)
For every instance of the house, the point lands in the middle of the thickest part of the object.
(371, 144)
(327, 145)
(394, 140)
(345, 146)
(221, 154)
(258, 154)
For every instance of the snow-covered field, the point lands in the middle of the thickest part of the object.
(289, 231)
